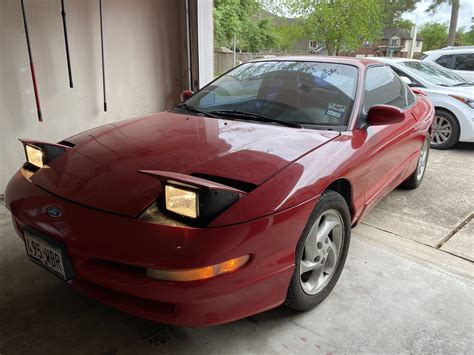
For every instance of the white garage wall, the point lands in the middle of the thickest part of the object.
(144, 67)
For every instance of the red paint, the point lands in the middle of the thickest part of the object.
(380, 115)
(35, 88)
(98, 187)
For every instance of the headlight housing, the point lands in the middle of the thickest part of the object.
(34, 156)
(188, 200)
(181, 201)
(38, 154)
(464, 100)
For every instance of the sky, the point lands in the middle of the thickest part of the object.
(443, 14)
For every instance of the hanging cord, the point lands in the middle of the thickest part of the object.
(32, 66)
(102, 48)
(63, 13)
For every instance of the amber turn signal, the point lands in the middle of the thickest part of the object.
(200, 273)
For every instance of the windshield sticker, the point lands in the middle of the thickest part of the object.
(337, 107)
(333, 113)
(335, 110)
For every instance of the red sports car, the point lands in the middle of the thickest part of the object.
(236, 201)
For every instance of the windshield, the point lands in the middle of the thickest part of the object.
(306, 93)
(435, 75)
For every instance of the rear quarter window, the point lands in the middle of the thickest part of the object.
(445, 61)
(464, 62)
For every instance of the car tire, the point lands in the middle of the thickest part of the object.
(415, 179)
(446, 130)
(319, 260)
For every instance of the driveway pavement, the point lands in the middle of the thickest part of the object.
(408, 286)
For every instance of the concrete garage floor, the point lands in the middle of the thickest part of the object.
(407, 287)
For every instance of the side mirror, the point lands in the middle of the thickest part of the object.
(379, 115)
(186, 95)
(407, 80)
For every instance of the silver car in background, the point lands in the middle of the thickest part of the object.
(452, 96)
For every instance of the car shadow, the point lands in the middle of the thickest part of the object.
(464, 146)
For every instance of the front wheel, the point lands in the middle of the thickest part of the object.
(321, 252)
(414, 180)
(445, 130)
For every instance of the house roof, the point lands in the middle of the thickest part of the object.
(400, 32)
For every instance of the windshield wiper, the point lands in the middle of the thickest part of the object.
(463, 84)
(191, 108)
(254, 117)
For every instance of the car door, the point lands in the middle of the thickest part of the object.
(392, 146)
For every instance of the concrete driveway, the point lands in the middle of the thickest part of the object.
(408, 286)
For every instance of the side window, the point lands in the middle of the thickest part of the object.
(383, 87)
(464, 62)
(445, 61)
(410, 96)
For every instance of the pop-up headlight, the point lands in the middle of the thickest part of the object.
(181, 201)
(39, 154)
(34, 156)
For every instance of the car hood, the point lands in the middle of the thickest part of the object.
(101, 170)
(464, 91)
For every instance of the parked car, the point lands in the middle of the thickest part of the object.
(451, 95)
(458, 59)
(237, 200)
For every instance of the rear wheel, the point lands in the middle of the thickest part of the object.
(414, 180)
(445, 130)
(321, 253)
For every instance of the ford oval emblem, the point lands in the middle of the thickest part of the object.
(54, 211)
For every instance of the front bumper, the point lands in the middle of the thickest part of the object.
(110, 253)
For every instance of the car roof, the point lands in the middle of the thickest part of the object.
(359, 62)
(451, 50)
(393, 59)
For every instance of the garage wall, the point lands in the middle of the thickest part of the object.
(144, 53)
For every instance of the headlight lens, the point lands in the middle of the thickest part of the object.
(467, 101)
(34, 156)
(181, 201)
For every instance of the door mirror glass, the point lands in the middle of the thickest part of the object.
(379, 115)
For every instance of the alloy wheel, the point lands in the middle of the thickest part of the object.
(442, 130)
(321, 252)
(422, 160)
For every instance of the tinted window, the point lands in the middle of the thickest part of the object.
(383, 87)
(464, 62)
(303, 92)
(445, 60)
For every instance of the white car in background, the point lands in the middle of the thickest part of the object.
(458, 59)
(451, 95)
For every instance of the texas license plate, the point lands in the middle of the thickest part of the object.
(45, 253)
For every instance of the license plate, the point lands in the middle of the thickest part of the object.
(46, 253)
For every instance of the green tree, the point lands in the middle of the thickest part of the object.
(434, 35)
(453, 23)
(469, 37)
(393, 11)
(237, 20)
(287, 34)
(340, 24)
(402, 23)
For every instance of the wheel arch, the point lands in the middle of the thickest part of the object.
(344, 188)
(441, 108)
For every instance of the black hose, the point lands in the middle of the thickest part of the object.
(102, 49)
(63, 13)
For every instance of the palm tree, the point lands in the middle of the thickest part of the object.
(453, 23)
